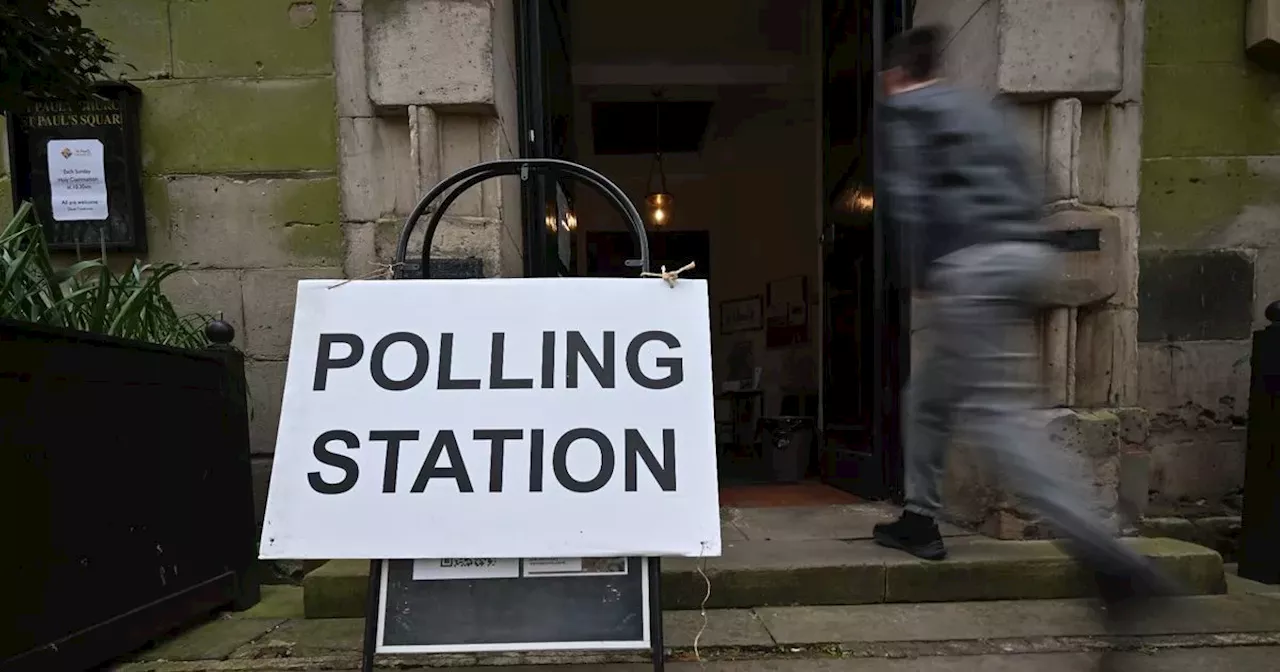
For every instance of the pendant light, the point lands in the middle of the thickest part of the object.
(659, 200)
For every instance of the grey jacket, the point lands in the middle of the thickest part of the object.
(955, 177)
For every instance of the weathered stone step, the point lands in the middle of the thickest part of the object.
(943, 636)
(784, 572)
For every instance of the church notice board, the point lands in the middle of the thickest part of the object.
(80, 164)
(512, 453)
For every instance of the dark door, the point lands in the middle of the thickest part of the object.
(866, 307)
(546, 109)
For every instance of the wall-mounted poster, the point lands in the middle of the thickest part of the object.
(787, 312)
(741, 315)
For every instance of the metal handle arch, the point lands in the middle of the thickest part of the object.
(462, 180)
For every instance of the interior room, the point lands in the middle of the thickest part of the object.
(739, 130)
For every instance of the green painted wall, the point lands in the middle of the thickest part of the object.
(1211, 141)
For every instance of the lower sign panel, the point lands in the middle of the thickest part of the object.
(556, 609)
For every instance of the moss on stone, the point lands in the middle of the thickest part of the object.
(1195, 31)
(228, 126)
(1187, 201)
(1210, 110)
(6, 199)
(251, 38)
(309, 213)
(139, 33)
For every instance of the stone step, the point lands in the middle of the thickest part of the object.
(783, 572)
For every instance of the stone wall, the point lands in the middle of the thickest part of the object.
(239, 161)
(1209, 256)
(1070, 72)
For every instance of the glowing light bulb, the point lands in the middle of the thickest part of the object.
(659, 216)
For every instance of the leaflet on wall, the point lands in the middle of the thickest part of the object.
(77, 180)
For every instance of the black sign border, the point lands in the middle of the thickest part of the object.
(130, 99)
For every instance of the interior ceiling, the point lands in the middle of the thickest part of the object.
(690, 33)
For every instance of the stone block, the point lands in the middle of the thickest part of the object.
(1135, 54)
(1135, 484)
(1126, 259)
(1085, 276)
(1210, 202)
(336, 590)
(378, 179)
(1194, 31)
(359, 258)
(972, 56)
(1061, 48)
(1194, 382)
(6, 199)
(1232, 112)
(350, 77)
(1262, 33)
(211, 641)
(209, 292)
(1135, 427)
(456, 237)
(224, 222)
(272, 38)
(1062, 150)
(1266, 283)
(238, 125)
(1197, 463)
(265, 380)
(1106, 357)
(1122, 155)
(269, 297)
(139, 33)
(430, 52)
(1195, 295)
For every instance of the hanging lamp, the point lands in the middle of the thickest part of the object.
(659, 200)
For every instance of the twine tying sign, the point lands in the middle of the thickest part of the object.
(383, 271)
(669, 277)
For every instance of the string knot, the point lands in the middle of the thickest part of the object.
(669, 277)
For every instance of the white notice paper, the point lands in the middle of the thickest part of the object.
(449, 569)
(77, 180)
(497, 418)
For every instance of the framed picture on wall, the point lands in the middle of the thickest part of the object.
(741, 315)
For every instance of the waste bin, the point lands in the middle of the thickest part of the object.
(787, 441)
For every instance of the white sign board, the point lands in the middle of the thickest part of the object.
(77, 180)
(497, 418)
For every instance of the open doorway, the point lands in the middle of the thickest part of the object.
(754, 118)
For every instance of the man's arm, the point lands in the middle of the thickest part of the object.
(906, 188)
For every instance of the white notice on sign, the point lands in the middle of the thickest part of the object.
(449, 569)
(501, 418)
(77, 180)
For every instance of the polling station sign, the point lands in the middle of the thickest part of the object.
(498, 418)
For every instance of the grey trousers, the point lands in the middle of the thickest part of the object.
(982, 301)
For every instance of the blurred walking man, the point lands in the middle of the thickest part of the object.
(961, 196)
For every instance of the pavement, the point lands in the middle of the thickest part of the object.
(1238, 631)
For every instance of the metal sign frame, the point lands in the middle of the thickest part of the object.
(446, 192)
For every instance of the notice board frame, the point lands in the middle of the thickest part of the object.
(374, 614)
(123, 184)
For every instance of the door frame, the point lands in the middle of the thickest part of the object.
(880, 471)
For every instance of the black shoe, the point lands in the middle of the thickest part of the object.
(913, 533)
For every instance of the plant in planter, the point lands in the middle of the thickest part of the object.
(87, 296)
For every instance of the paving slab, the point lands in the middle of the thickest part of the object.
(278, 601)
(1012, 620)
(214, 640)
(307, 638)
(722, 627)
